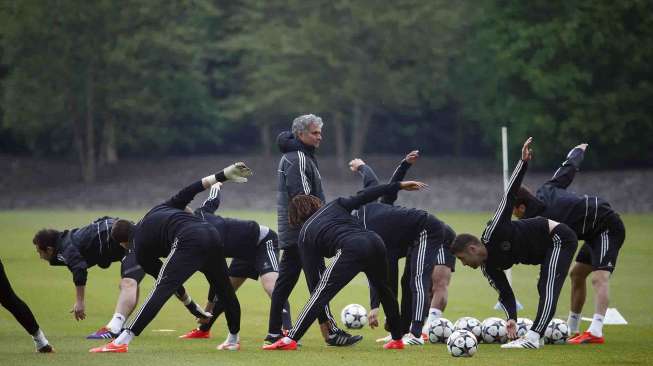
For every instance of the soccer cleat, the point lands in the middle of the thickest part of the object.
(271, 339)
(45, 349)
(586, 338)
(394, 344)
(572, 336)
(196, 334)
(341, 339)
(102, 333)
(522, 343)
(385, 339)
(226, 346)
(110, 348)
(283, 344)
(410, 340)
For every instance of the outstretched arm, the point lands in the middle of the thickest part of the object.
(370, 194)
(236, 172)
(212, 203)
(563, 177)
(400, 173)
(367, 173)
(504, 211)
(498, 280)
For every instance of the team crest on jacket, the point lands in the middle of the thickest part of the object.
(505, 246)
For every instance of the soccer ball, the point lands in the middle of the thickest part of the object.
(462, 343)
(471, 324)
(354, 316)
(494, 330)
(439, 330)
(523, 326)
(557, 332)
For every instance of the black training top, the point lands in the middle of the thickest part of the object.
(82, 248)
(240, 237)
(583, 214)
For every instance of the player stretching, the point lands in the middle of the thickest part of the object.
(82, 248)
(22, 313)
(416, 235)
(536, 241)
(298, 174)
(594, 221)
(254, 250)
(331, 231)
(190, 245)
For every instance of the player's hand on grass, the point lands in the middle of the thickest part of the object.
(412, 157)
(355, 164)
(79, 310)
(198, 312)
(582, 146)
(411, 185)
(237, 172)
(373, 318)
(511, 328)
(526, 152)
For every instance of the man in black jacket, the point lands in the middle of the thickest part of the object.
(594, 221)
(416, 235)
(298, 174)
(535, 241)
(82, 248)
(255, 253)
(330, 231)
(189, 244)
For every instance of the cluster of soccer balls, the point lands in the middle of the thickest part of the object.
(462, 338)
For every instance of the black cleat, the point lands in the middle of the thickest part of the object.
(343, 339)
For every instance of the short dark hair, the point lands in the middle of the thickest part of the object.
(462, 241)
(524, 197)
(122, 230)
(302, 207)
(45, 238)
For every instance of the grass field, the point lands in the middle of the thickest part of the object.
(50, 294)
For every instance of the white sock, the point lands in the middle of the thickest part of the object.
(573, 322)
(115, 325)
(596, 328)
(39, 339)
(434, 314)
(233, 338)
(533, 336)
(125, 337)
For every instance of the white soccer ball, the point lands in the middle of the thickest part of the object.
(439, 330)
(471, 324)
(354, 316)
(462, 343)
(556, 332)
(494, 330)
(523, 326)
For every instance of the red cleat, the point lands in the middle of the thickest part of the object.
(585, 338)
(283, 344)
(196, 334)
(394, 344)
(110, 348)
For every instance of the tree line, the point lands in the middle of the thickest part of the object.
(99, 80)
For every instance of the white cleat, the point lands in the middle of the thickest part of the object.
(522, 343)
(410, 340)
(226, 346)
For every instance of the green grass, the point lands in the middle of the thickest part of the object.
(50, 294)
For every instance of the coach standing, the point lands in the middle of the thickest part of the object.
(298, 174)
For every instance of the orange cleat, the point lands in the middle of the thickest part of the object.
(585, 338)
(283, 344)
(110, 348)
(394, 344)
(196, 334)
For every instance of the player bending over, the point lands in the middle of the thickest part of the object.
(255, 253)
(189, 244)
(330, 231)
(504, 243)
(594, 221)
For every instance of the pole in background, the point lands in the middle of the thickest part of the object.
(504, 149)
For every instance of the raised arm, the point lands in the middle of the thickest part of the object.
(370, 194)
(504, 211)
(212, 203)
(563, 177)
(498, 280)
(236, 172)
(367, 173)
(399, 174)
